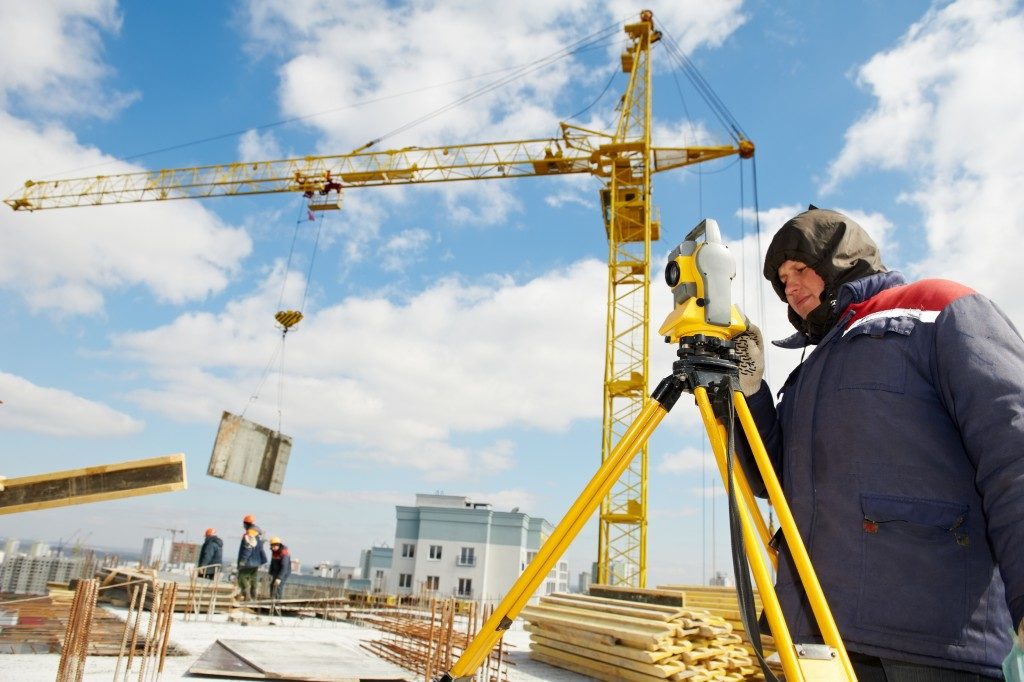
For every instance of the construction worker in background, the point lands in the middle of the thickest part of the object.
(280, 567)
(210, 555)
(251, 555)
(899, 442)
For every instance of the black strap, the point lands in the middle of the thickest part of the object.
(740, 565)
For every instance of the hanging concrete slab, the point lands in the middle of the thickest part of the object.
(306, 661)
(250, 454)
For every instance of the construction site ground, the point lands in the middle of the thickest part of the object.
(196, 635)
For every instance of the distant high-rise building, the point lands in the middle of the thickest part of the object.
(29, 574)
(39, 549)
(155, 552)
(583, 582)
(184, 553)
(11, 547)
(375, 564)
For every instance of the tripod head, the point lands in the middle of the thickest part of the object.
(704, 321)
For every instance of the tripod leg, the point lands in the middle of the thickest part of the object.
(654, 410)
(815, 596)
(765, 587)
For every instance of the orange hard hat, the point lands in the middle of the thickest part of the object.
(210, 531)
(248, 518)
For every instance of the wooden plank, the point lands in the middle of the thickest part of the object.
(94, 484)
(663, 597)
(564, 639)
(625, 608)
(664, 671)
(592, 668)
(637, 635)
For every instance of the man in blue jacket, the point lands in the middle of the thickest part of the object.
(899, 442)
(210, 555)
(251, 555)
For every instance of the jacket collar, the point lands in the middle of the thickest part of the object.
(849, 293)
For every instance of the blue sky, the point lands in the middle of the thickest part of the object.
(454, 336)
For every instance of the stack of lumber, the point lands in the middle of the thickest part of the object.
(193, 594)
(42, 624)
(722, 602)
(611, 639)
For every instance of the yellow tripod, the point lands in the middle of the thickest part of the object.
(703, 323)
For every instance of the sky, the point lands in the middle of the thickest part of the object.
(454, 333)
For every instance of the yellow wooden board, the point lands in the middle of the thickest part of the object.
(94, 484)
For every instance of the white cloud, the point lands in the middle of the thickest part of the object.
(404, 249)
(63, 261)
(685, 460)
(564, 198)
(507, 500)
(394, 381)
(256, 146)
(335, 62)
(945, 115)
(55, 412)
(51, 57)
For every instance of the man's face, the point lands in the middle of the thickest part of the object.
(803, 287)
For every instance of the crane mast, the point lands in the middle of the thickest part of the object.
(624, 161)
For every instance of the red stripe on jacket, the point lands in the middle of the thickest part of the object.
(927, 294)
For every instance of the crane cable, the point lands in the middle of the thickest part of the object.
(735, 131)
(586, 43)
(287, 319)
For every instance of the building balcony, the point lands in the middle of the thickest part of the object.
(465, 561)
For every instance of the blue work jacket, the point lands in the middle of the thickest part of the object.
(899, 443)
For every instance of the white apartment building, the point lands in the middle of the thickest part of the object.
(448, 546)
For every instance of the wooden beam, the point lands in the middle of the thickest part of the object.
(94, 484)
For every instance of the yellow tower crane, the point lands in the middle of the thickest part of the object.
(624, 160)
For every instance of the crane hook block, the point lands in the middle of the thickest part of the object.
(288, 318)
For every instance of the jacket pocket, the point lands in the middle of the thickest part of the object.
(914, 568)
(875, 355)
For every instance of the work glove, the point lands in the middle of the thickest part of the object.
(750, 353)
(277, 581)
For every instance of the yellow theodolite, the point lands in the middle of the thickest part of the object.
(703, 323)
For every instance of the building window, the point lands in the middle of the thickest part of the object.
(405, 579)
(467, 557)
(408, 551)
(465, 587)
(380, 574)
(433, 581)
(435, 551)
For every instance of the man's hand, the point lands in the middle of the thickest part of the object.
(750, 352)
(277, 581)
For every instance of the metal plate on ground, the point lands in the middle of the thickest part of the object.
(299, 661)
(250, 454)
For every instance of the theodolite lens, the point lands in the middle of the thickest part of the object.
(672, 273)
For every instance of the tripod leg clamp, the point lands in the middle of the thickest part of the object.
(668, 391)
